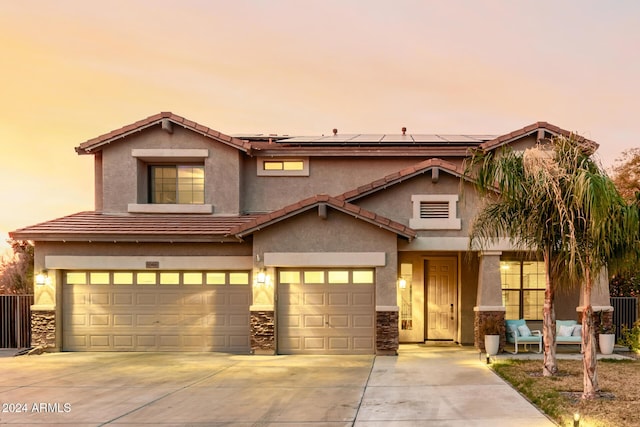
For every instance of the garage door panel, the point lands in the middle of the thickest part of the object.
(100, 341)
(169, 319)
(239, 299)
(338, 321)
(125, 320)
(238, 320)
(78, 319)
(123, 342)
(362, 321)
(216, 320)
(338, 299)
(313, 298)
(122, 298)
(326, 318)
(363, 343)
(362, 298)
(145, 299)
(99, 319)
(314, 321)
(156, 317)
(99, 299)
(338, 343)
(314, 343)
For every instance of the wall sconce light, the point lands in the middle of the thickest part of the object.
(402, 283)
(262, 277)
(43, 278)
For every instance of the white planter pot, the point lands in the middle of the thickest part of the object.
(491, 344)
(606, 342)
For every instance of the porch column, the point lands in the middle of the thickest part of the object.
(263, 336)
(387, 310)
(46, 331)
(489, 298)
(600, 300)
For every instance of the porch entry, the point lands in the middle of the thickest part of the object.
(441, 308)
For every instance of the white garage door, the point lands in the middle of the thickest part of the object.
(326, 311)
(156, 311)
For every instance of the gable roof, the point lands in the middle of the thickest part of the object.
(539, 127)
(164, 119)
(401, 176)
(271, 218)
(103, 227)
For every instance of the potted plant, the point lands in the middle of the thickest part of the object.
(606, 336)
(491, 328)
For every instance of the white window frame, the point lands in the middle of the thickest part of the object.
(450, 223)
(262, 172)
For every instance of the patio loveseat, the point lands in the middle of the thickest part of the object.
(518, 333)
(568, 332)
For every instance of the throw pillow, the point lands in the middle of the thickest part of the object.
(524, 331)
(513, 330)
(577, 331)
(565, 331)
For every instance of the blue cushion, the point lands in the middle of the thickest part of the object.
(512, 326)
(564, 323)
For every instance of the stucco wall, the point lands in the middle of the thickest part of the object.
(327, 175)
(340, 232)
(124, 178)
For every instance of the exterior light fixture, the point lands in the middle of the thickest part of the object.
(43, 278)
(262, 277)
(402, 283)
(576, 419)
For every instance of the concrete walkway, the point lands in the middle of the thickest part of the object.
(438, 386)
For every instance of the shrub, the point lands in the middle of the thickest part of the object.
(631, 336)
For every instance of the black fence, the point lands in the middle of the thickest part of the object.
(15, 321)
(625, 312)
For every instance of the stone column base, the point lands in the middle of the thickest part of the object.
(43, 329)
(478, 326)
(387, 333)
(263, 337)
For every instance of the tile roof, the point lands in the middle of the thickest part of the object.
(535, 127)
(304, 205)
(91, 145)
(97, 226)
(400, 176)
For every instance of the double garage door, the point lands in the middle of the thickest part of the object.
(322, 311)
(319, 311)
(156, 311)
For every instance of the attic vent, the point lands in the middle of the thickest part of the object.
(434, 210)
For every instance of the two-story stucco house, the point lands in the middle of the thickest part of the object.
(337, 244)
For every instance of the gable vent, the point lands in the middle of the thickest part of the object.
(434, 210)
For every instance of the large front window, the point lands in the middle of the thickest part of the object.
(522, 288)
(177, 184)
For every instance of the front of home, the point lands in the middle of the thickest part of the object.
(266, 244)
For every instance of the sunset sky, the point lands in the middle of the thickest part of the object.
(73, 70)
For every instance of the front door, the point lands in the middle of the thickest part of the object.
(441, 307)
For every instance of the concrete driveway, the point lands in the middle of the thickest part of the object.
(440, 386)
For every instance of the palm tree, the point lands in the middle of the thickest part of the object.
(522, 203)
(605, 232)
(557, 200)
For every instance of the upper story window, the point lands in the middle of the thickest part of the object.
(283, 167)
(170, 180)
(435, 212)
(180, 184)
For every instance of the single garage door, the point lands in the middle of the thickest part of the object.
(156, 311)
(326, 311)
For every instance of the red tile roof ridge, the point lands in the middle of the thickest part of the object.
(400, 176)
(310, 202)
(501, 140)
(88, 146)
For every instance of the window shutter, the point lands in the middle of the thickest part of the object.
(434, 210)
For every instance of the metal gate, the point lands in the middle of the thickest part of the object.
(15, 321)
(625, 312)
